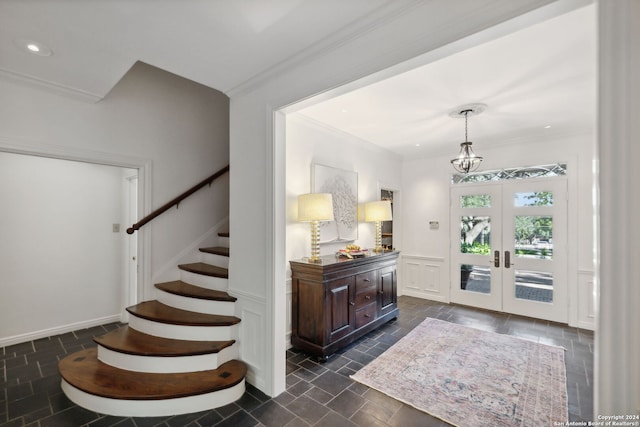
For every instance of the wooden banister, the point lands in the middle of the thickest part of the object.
(177, 200)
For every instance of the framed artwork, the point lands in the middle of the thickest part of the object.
(343, 186)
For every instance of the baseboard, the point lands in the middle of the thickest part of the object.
(422, 295)
(58, 330)
(583, 325)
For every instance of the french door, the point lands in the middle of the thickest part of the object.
(509, 247)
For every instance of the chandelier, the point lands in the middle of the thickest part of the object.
(466, 161)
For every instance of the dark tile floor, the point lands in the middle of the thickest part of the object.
(317, 394)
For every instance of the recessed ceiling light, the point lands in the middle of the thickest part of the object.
(34, 47)
(417, 145)
(344, 110)
(547, 127)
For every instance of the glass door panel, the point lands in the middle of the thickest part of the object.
(475, 278)
(475, 209)
(534, 285)
(533, 236)
(535, 224)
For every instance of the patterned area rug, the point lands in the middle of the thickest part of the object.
(469, 377)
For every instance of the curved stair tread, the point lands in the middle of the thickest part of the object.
(84, 371)
(129, 341)
(161, 313)
(216, 250)
(205, 269)
(223, 234)
(178, 287)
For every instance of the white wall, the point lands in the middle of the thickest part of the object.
(426, 184)
(60, 261)
(174, 130)
(309, 142)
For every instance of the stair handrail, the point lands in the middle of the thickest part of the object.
(176, 201)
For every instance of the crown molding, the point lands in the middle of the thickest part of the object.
(59, 89)
(339, 133)
(375, 19)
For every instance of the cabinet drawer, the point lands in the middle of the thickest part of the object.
(365, 280)
(366, 296)
(365, 315)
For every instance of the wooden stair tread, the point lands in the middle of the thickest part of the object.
(216, 250)
(158, 312)
(224, 234)
(184, 289)
(205, 269)
(129, 341)
(84, 371)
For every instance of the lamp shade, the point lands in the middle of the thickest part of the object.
(378, 211)
(315, 207)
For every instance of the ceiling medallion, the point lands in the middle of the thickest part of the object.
(466, 161)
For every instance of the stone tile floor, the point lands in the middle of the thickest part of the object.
(316, 395)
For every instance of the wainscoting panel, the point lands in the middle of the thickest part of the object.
(250, 309)
(289, 288)
(586, 300)
(422, 277)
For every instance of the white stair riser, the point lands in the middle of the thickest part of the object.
(184, 332)
(226, 308)
(223, 241)
(153, 408)
(209, 282)
(169, 364)
(214, 259)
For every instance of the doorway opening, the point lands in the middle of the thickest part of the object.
(509, 247)
(387, 226)
(68, 215)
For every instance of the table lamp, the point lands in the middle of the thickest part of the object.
(313, 208)
(377, 212)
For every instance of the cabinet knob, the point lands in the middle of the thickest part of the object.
(380, 292)
(367, 297)
(367, 315)
(352, 303)
(367, 280)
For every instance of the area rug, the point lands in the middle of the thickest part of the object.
(469, 377)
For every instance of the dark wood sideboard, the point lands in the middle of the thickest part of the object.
(337, 300)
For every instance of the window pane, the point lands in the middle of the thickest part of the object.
(475, 278)
(540, 171)
(533, 236)
(475, 201)
(534, 285)
(475, 234)
(539, 198)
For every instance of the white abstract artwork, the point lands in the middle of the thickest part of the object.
(343, 186)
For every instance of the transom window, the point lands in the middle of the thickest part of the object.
(542, 171)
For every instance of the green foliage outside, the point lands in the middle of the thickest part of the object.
(475, 248)
(529, 229)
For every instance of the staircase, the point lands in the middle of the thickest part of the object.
(177, 354)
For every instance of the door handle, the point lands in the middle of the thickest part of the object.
(496, 259)
(507, 259)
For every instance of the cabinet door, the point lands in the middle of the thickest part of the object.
(340, 308)
(386, 289)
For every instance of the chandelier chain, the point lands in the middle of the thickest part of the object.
(466, 117)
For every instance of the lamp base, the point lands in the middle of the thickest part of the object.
(379, 247)
(315, 241)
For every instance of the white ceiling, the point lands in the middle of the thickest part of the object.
(539, 76)
(542, 75)
(222, 44)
